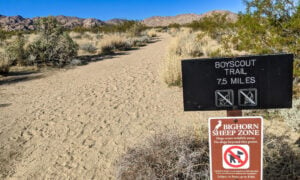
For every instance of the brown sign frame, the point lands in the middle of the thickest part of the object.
(224, 136)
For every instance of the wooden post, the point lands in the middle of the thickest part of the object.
(231, 113)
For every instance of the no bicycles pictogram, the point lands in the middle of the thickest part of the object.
(235, 156)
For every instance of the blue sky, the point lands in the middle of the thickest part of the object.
(108, 9)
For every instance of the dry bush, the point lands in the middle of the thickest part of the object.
(89, 48)
(138, 41)
(15, 50)
(187, 157)
(136, 29)
(173, 31)
(172, 70)
(87, 35)
(152, 33)
(166, 157)
(281, 159)
(75, 35)
(184, 45)
(292, 116)
(5, 63)
(187, 44)
(113, 41)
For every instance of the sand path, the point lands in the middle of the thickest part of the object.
(75, 124)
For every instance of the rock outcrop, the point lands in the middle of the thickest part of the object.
(184, 18)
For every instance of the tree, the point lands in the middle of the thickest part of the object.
(15, 50)
(54, 47)
(269, 26)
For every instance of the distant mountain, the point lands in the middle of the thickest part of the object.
(116, 21)
(10, 23)
(71, 22)
(184, 18)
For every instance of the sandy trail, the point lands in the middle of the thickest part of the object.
(75, 124)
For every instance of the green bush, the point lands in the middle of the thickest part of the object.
(297, 68)
(54, 47)
(5, 63)
(107, 49)
(121, 46)
(16, 51)
(268, 27)
(174, 25)
(215, 25)
(136, 29)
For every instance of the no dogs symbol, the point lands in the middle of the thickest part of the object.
(235, 156)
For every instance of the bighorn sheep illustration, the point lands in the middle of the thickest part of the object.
(218, 125)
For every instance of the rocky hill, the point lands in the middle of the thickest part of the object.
(184, 18)
(10, 23)
(116, 21)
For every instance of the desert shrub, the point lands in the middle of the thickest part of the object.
(187, 45)
(107, 49)
(136, 29)
(113, 42)
(174, 25)
(54, 47)
(172, 70)
(281, 159)
(99, 36)
(126, 26)
(292, 116)
(80, 29)
(166, 157)
(9, 34)
(88, 36)
(183, 46)
(152, 33)
(187, 157)
(215, 25)
(121, 46)
(268, 27)
(16, 51)
(138, 41)
(5, 63)
(215, 53)
(2, 35)
(297, 68)
(88, 48)
(75, 35)
(134, 42)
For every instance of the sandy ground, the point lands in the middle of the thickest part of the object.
(75, 124)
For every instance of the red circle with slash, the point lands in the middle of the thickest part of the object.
(243, 162)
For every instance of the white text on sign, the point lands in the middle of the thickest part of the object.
(238, 130)
(234, 68)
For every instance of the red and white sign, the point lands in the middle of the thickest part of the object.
(236, 147)
(235, 156)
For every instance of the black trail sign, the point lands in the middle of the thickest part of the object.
(248, 82)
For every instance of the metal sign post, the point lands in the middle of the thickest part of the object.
(232, 113)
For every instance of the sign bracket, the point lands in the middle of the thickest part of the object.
(233, 113)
